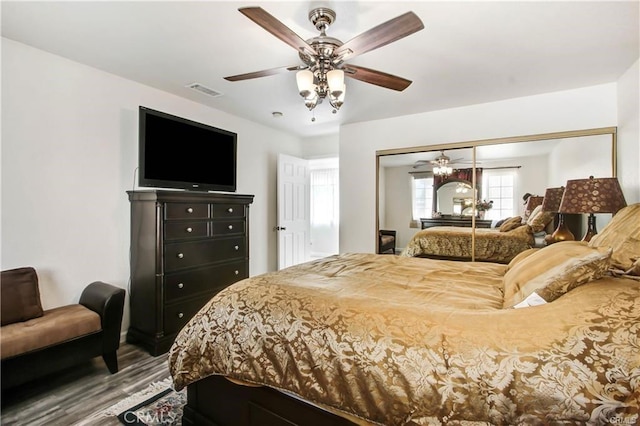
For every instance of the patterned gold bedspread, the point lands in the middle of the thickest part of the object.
(397, 340)
(455, 242)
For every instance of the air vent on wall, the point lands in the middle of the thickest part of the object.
(203, 89)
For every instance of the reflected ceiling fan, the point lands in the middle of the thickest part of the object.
(441, 160)
(323, 70)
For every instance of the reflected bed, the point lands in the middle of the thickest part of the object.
(454, 243)
(498, 245)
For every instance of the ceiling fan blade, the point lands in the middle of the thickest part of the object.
(383, 34)
(277, 28)
(263, 73)
(378, 78)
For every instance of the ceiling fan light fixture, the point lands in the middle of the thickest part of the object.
(311, 101)
(442, 170)
(335, 79)
(337, 101)
(304, 79)
(313, 94)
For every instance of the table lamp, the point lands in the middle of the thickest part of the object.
(551, 203)
(532, 202)
(593, 195)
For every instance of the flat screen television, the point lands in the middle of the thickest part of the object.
(178, 153)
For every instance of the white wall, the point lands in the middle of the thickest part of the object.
(69, 151)
(567, 110)
(629, 133)
(324, 146)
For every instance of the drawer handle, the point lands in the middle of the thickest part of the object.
(237, 248)
(180, 255)
(230, 226)
(230, 210)
(237, 272)
(189, 230)
(189, 210)
(180, 285)
(180, 315)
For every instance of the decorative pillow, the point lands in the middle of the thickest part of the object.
(523, 231)
(511, 223)
(520, 257)
(20, 295)
(554, 270)
(539, 219)
(622, 234)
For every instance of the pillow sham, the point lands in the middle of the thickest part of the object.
(511, 223)
(554, 270)
(539, 219)
(622, 234)
(520, 257)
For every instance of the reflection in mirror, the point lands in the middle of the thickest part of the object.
(406, 190)
(538, 165)
(454, 197)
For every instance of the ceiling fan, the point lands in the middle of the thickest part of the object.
(323, 70)
(441, 161)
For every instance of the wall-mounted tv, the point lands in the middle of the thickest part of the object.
(178, 153)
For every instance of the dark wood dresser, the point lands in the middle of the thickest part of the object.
(454, 221)
(185, 247)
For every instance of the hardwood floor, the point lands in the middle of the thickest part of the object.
(72, 395)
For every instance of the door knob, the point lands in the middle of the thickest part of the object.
(279, 228)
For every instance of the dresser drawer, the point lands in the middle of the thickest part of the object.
(191, 254)
(228, 210)
(228, 227)
(175, 230)
(177, 315)
(186, 211)
(212, 279)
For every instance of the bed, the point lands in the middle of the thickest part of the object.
(499, 245)
(552, 337)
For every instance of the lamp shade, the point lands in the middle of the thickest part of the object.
(592, 195)
(552, 199)
(335, 79)
(533, 202)
(304, 79)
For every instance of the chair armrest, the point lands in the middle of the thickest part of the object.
(108, 301)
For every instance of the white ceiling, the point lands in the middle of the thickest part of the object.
(468, 53)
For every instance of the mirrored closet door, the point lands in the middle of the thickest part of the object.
(477, 184)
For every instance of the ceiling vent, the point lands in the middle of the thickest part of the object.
(204, 89)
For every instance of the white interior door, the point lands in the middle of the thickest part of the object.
(293, 225)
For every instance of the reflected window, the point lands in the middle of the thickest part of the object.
(499, 186)
(422, 197)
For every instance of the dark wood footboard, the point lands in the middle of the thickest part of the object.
(217, 401)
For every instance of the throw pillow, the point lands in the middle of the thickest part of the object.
(539, 219)
(20, 296)
(554, 270)
(511, 223)
(622, 234)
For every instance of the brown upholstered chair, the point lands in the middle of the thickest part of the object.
(386, 242)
